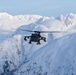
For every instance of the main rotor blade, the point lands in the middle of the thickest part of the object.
(49, 31)
(25, 30)
(40, 31)
(57, 31)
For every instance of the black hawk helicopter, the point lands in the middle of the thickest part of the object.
(36, 37)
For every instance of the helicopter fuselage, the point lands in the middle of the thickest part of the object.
(35, 38)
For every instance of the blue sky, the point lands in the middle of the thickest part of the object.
(39, 7)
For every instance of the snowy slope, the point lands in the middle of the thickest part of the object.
(56, 56)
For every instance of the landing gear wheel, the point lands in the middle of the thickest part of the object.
(25, 39)
(29, 42)
(38, 43)
(44, 39)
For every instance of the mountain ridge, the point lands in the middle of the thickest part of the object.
(53, 57)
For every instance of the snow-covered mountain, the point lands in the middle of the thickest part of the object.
(55, 57)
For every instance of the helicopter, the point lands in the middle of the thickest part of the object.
(36, 37)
